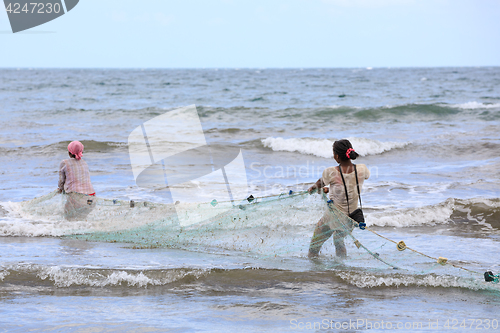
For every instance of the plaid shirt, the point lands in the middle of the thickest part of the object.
(74, 176)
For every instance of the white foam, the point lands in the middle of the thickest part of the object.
(428, 215)
(371, 281)
(317, 147)
(63, 277)
(3, 274)
(474, 105)
(18, 223)
(323, 147)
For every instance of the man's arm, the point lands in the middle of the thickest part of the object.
(62, 177)
(317, 186)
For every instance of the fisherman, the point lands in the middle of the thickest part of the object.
(343, 153)
(74, 180)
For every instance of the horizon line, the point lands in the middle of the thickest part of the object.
(245, 68)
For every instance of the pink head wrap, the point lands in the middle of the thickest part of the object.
(348, 152)
(76, 148)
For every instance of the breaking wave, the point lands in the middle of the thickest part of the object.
(62, 146)
(184, 277)
(474, 105)
(323, 147)
(485, 212)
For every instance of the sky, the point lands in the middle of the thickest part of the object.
(260, 34)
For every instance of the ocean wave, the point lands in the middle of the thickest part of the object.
(18, 223)
(228, 279)
(409, 112)
(343, 113)
(428, 280)
(64, 277)
(482, 211)
(90, 146)
(474, 105)
(323, 147)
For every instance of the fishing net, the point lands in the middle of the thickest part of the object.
(278, 226)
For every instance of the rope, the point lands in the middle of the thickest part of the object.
(440, 260)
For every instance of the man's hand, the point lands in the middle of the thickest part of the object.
(316, 187)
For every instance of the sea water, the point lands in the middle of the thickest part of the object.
(430, 137)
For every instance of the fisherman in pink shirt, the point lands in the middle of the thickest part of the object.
(74, 180)
(74, 175)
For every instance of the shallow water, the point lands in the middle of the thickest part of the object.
(430, 137)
